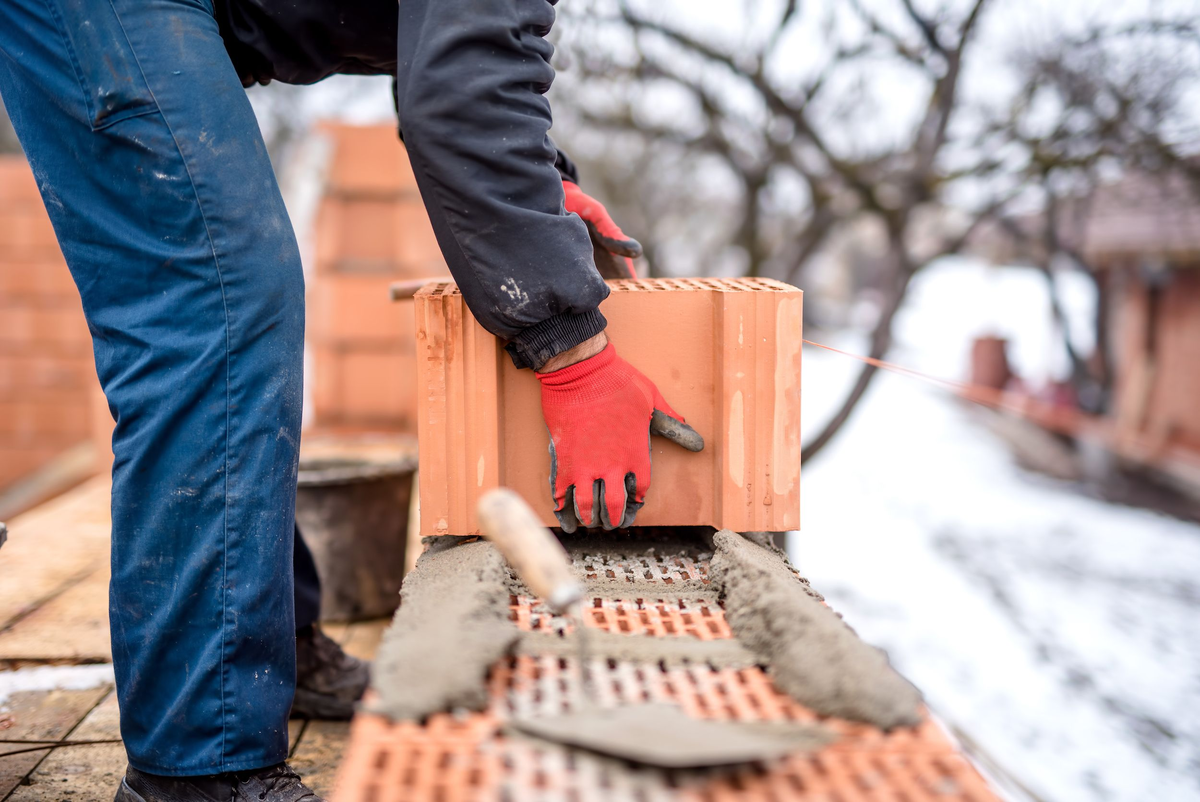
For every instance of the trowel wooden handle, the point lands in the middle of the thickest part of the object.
(533, 552)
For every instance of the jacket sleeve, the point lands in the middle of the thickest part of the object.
(304, 41)
(471, 79)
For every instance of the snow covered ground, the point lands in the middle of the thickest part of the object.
(1061, 634)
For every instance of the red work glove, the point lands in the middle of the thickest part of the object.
(613, 251)
(601, 413)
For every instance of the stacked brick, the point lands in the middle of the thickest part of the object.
(372, 230)
(724, 352)
(46, 368)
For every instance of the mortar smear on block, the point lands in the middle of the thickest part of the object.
(452, 625)
(810, 652)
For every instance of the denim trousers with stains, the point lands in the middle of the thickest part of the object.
(155, 176)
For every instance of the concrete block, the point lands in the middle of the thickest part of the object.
(26, 233)
(34, 418)
(724, 352)
(19, 458)
(368, 158)
(356, 234)
(18, 187)
(377, 234)
(356, 308)
(364, 388)
(58, 330)
(30, 374)
(41, 278)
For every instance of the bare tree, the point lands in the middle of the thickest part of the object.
(1119, 101)
(796, 161)
(788, 137)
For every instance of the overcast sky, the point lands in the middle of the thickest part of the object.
(1008, 25)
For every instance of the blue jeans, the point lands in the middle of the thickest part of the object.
(159, 187)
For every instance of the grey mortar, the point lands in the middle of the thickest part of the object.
(636, 582)
(452, 625)
(809, 651)
(668, 650)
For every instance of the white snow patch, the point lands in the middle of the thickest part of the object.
(53, 678)
(1059, 632)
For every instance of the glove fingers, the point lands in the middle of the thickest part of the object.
(585, 506)
(611, 501)
(609, 264)
(634, 498)
(600, 224)
(607, 235)
(564, 502)
(566, 513)
(610, 505)
(676, 431)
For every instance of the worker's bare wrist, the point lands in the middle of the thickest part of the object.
(585, 350)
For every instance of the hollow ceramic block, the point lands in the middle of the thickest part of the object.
(724, 352)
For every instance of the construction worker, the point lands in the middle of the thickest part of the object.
(133, 117)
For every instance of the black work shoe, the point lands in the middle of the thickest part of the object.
(275, 784)
(328, 681)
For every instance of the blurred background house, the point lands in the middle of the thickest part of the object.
(1001, 191)
(1141, 237)
(1134, 391)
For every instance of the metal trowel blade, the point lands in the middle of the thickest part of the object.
(663, 735)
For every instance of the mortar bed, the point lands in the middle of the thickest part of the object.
(661, 618)
(460, 757)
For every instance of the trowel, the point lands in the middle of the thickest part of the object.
(537, 557)
(653, 734)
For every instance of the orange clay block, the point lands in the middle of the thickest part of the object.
(724, 352)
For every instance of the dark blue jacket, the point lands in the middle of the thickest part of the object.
(470, 80)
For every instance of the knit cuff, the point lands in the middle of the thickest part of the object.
(536, 345)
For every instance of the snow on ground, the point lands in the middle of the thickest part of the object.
(1060, 633)
(51, 678)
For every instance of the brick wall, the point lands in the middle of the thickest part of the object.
(46, 370)
(1176, 396)
(371, 230)
(1160, 397)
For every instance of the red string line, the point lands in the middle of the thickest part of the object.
(879, 363)
(975, 393)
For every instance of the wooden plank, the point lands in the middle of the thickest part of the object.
(14, 767)
(52, 547)
(363, 638)
(48, 715)
(319, 754)
(69, 469)
(102, 724)
(336, 630)
(295, 729)
(88, 773)
(72, 626)
(76, 772)
(36, 717)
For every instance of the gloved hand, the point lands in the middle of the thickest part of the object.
(601, 413)
(613, 251)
